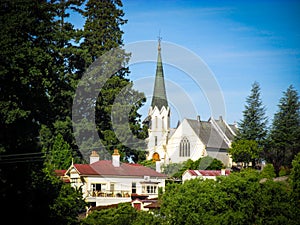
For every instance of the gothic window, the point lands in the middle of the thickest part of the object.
(156, 122)
(163, 123)
(155, 140)
(184, 148)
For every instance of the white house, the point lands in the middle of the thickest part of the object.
(204, 174)
(191, 139)
(108, 182)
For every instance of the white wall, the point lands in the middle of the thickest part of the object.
(197, 148)
(159, 128)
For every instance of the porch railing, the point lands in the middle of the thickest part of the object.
(114, 193)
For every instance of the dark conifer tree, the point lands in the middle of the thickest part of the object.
(254, 122)
(253, 126)
(284, 138)
(33, 87)
(102, 33)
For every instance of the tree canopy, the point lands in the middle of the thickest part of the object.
(284, 137)
(254, 122)
(43, 58)
(252, 129)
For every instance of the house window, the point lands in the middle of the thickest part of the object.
(98, 187)
(112, 187)
(133, 187)
(149, 189)
(184, 148)
(73, 180)
(155, 140)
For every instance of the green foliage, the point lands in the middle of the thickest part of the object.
(146, 218)
(252, 127)
(295, 180)
(61, 202)
(124, 214)
(59, 156)
(43, 57)
(268, 171)
(239, 198)
(205, 163)
(253, 124)
(284, 138)
(172, 168)
(284, 171)
(116, 117)
(149, 163)
(245, 151)
(67, 206)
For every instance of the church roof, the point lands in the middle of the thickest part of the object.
(221, 123)
(209, 135)
(159, 98)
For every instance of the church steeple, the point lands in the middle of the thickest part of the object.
(158, 115)
(159, 98)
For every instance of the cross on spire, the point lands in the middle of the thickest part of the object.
(159, 40)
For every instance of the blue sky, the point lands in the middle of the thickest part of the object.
(240, 41)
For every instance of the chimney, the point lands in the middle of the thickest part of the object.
(223, 172)
(157, 166)
(94, 157)
(116, 158)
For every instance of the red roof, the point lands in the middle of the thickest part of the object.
(208, 173)
(85, 169)
(60, 172)
(105, 167)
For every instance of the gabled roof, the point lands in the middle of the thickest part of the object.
(208, 134)
(207, 173)
(227, 129)
(85, 169)
(60, 173)
(105, 168)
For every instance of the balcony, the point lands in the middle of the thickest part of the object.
(102, 198)
(113, 194)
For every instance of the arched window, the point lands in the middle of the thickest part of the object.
(184, 148)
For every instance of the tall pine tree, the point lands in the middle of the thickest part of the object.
(284, 138)
(254, 122)
(102, 33)
(251, 128)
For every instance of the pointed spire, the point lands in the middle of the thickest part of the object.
(159, 98)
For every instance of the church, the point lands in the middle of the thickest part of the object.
(191, 139)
